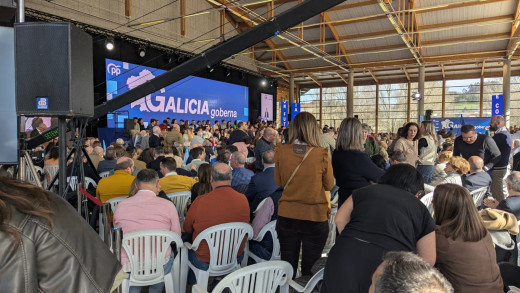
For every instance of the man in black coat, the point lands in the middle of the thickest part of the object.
(238, 134)
(155, 139)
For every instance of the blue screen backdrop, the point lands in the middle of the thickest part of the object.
(192, 98)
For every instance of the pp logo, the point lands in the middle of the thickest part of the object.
(113, 69)
(446, 124)
(42, 103)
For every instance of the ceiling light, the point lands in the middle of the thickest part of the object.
(264, 82)
(109, 43)
(142, 51)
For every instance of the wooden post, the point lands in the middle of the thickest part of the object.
(443, 114)
(128, 8)
(183, 19)
(377, 107)
(408, 101)
(321, 107)
(481, 96)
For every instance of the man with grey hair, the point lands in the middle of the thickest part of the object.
(264, 144)
(512, 203)
(220, 206)
(504, 143)
(145, 211)
(262, 184)
(241, 175)
(397, 157)
(155, 138)
(406, 272)
(477, 177)
(96, 156)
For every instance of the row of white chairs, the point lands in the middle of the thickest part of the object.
(146, 250)
(477, 194)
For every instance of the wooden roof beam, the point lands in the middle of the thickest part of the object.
(456, 5)
(514, 41)
(335, 34)
(314, 79)
(343, 78)
(373, 76)
(443, 72)
(483, 67)
(406, 73)
(468, 21)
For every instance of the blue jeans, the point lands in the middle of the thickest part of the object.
(157, 288)
(426, 171)
(201, 265)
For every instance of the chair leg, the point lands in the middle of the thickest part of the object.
(202, 278)
(183, 270)
(125, 286)
(169, 283)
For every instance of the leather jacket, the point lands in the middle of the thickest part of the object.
(70, 257)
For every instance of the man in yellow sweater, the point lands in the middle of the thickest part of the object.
(119, 183)
(172, 182)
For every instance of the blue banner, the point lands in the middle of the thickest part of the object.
(192, 98)
(497, 102)
(295, 109)
(479, 123)
(284, 113)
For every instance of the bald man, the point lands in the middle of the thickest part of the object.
(477, 177)
(119, 183)
(264, 144)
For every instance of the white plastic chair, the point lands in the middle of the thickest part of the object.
(29, 175)
(259, 206)
(224, 241)
(309, 287)
(264, 277)
(146, 250)
(89, 181)
(250, 160)
(269, 228)
(180, 200)
(72, 182)
(427, 201)
(113, 202)
(478, 195)
(51, 170)
(331, 239)
(104, 174)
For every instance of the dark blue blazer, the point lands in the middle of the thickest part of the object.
(261, 186)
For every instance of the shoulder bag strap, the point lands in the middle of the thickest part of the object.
(297, 167)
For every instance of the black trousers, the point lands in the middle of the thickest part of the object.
(308, 235)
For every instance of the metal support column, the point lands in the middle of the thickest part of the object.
(506, 91)
(321, 107)
(62, 134)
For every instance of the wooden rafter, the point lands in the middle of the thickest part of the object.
(373, 76)
(483, 67)
(406, 73)
(335, 34)
(343, 78)
(314, 79)
(443, 72)
(128, 8)
(467, 21)
(513, 43)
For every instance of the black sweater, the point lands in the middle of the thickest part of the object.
(484, 147)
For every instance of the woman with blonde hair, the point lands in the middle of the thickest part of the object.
(352, 166)
(465, 252)
(428, 145)
(304, 171)
(455, 168)
(187, 136)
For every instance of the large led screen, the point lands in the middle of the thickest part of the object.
(267, 107)
(192, 98)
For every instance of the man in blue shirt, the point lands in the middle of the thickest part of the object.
(241, 175)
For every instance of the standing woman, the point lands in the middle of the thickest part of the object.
(305, 173)
(352, 166)
(427, 150)
(465, 252)
(408, 143)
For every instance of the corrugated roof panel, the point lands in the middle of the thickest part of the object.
(466, 13)
(364, 27)
(473, 30)
(354, 12)
(464, 48)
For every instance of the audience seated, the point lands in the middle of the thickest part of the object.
(405, 272)
(374, 220)
(111, 156)
(510, 204)
(267, 213)
(397, 157)
(222, 205)
(117, 184)
(465, 253)
(173, 136)
(438, 170)
(198, 155)
(241, 175)
(96, 156)
(144, 211)
(155, 139)
(156, 163)
(456, 167)
(204, 184)
(503, 228)
(477, 177)
(262, 184)
(172, 182)
(132, 153)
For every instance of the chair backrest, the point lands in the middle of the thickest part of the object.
(270, 228)
(29, 175)
(73, 182)
(331, 238)
(250, 160)
(265, 277)
(88, 182)
(224, 241)
(242, 188)
(51, 170)
(478, 195)
(104, 174)
(146, 250)
(427, 201)
(113, 202)
(259, 206)
(180, 200)
(311, 284)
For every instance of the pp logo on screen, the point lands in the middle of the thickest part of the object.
(113, 69)
(42, 103)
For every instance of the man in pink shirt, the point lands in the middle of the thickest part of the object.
(145, 211)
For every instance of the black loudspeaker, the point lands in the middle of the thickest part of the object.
(356, 116)
(54, 70)
(7, 12)
(428, 115)
(129, 124)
